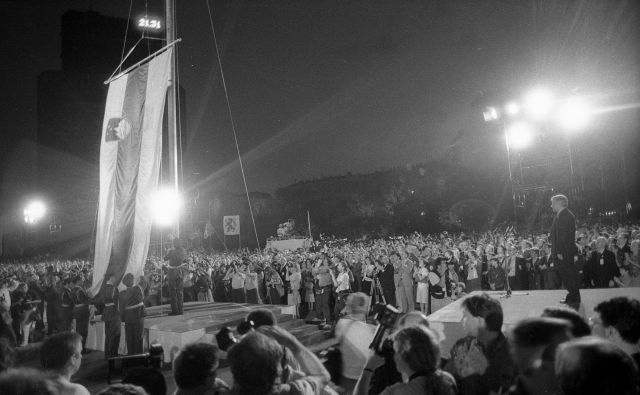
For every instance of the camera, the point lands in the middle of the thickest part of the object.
(386, 316)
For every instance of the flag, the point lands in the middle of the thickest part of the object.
(231, 225)
(130, 156)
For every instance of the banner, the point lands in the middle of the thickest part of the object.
(130, 156)
(231, 225)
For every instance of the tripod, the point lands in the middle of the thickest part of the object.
(375, 292)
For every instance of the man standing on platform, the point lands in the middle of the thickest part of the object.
(109, 297)
(563, 249)
(132, 313)
(323, 288)
(176, 258)
(81, 311)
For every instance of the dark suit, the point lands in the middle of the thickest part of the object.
(81, 313)
(132, 314)
(600, 269)
(563, 234)
(112, 326)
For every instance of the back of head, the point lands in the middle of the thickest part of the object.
(590, 365)
(123, 389)
(57, 350)
(262, 317)
(486, 307)
(579, 326)
(418, 347)
(535, 341)
(623, 314)
(255, 362)
(413, 318)
(195, 365)
(26, 381)
(357, 303)
(150, 379)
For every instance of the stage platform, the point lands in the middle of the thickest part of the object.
(521, 304)
(201, 321)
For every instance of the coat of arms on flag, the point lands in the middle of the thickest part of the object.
(231, 225)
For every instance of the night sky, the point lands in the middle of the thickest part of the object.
(321, 88)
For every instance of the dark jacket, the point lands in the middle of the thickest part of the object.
(563, 236)
(600, 269)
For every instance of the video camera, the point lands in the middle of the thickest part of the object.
(386, 316)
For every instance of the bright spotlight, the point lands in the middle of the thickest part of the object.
(165, 206)
(34, 211)
(539, 103)
(574, 114)
(512, 108)
(519, 135)
(490, 114)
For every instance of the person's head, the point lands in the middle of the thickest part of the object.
(412, 318)
(7, 354)
(590, 365)
(481, 314)
(150, 379)
(262, 317)
(194, 368)
(493, 262)
(558, 202)
(127, 280)
(579, 327)
(62, 353)
(357, 304)
(123, 389)
(618, 320)
(26, 381)
(256, 362)
(601, 243)
(416, 350)
(533, 346)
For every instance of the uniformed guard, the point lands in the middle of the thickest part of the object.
(175, 275)
(112, 325)
(81, 311)
(132, 314)
(67, 303)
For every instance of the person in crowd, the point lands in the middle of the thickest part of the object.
(422, 291)
(622, 249)
(342, 287)
(53, 302)
(295, 280)
(132, 314)
(387, 374)
(579, 326)
(473, 272)
(481, 362)
(274, 285)
(534, 344)
(496, 276)
(251, 285)
(511, 264)
(594, 366)
(61, 356)
(601, 270)
(177, 258)
(110, 298)
(563, 249)
(405, 292)
(203, 285)
(354, 335)
(258, 366)
(27, 381)
(194, 370)
(368, 269)
(66, 311)
(618, 320)
(417, 357)
(237, 276)
(633, 263)
(81, 311)
(549, 269)
(385, 272)
(323, 287)
(150, 379)
(123, 389)
(7, 354)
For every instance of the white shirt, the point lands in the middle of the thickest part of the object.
(343, 283)
(356, 337)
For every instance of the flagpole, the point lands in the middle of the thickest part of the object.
(171, 107)
(309, 223)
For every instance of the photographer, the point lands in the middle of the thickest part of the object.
(342, 286)
(417, 356)
(237, 278)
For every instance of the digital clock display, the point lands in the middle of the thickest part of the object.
(149, 23)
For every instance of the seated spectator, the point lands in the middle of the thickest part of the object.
(61, 354)
(150, 379)
(7, 355)
(194, 370)
(534, 344)
(123, 389)
(26, 381)
(618, 320)
(354, 336)
(387, 374)
(593, 366)
(481, 362)
(258, 365)
(417, 356)
(579, 327)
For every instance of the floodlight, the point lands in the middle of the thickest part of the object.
(490, 114)
(519, 135)
(574, 114)
(512, 108)
(539, 103)
(165, 206)
(34, 211)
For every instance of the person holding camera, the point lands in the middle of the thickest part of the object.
(416, 352)
(237, 277)
(343, 288)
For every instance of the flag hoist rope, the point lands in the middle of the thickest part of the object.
(233, 127)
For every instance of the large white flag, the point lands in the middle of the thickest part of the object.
(231, 225)
(130, 156)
